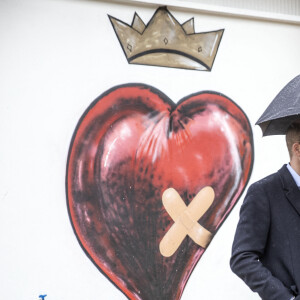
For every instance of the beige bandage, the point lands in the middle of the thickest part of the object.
(185, 219)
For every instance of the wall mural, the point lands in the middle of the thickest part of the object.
(149, 182)
(165, 42)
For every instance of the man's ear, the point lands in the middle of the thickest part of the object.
(296, 149)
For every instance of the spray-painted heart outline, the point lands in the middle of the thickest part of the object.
(124, 259)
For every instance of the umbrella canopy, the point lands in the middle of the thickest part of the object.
(283, 110)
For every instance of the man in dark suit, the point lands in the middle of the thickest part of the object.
(266, 247)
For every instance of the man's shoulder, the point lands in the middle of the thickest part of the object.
(268, 181)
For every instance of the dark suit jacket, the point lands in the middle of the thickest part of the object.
(266, 247)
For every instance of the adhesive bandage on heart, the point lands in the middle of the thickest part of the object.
(185, 219)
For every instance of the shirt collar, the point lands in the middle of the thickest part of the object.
(294, 174)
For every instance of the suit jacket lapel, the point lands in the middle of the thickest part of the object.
(291, 190)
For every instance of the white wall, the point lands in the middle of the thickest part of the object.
(291, 7)
(55, 58)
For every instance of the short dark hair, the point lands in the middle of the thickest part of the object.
(292, 136)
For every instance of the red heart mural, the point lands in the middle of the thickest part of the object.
(130, 145)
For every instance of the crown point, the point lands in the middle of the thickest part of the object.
(138, 24)
(188, 26)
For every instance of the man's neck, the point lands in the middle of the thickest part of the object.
(295, 165)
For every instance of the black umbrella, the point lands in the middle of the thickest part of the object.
(283, 110)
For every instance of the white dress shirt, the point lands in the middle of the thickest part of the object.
(295, 175)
